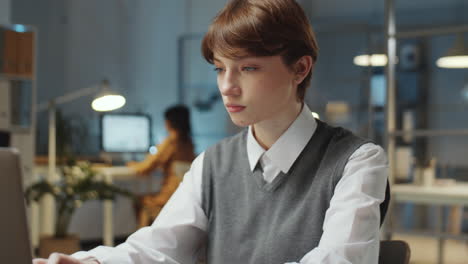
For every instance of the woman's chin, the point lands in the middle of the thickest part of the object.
(240, 122)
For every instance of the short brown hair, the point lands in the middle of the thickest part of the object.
(262, 28)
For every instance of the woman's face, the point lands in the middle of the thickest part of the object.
(255, 89)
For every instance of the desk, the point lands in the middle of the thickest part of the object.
(456, 194)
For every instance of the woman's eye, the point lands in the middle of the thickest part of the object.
(218, 69)
(249, 68)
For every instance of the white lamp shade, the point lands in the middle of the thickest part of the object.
(453, 62)
(374, 60)
(456, 57)
(108, 102)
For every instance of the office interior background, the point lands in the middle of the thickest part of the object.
(149, 51)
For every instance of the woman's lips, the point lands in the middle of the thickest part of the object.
(235, 108)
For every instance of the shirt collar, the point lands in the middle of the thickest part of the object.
(287, 148)
(254, 150)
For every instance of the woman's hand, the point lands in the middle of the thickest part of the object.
(138, 167)
(57, 258)
(135, 166)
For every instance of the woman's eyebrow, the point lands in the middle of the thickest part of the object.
(244, 59)
(217, 60)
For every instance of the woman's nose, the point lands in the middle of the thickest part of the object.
(229, 84)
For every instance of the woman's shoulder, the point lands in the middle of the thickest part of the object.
(230, 143)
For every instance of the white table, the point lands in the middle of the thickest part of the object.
(456, 194)
(434, 195)
(109, 174)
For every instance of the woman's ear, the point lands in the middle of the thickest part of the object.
(302, 67)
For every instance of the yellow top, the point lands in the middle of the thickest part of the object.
(171, 150)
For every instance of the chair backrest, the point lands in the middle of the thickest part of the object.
(384, 205)
(14, 235)
(394, 252)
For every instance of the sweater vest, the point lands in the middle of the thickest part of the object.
(253, 221)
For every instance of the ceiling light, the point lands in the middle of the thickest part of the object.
(456, 57)
(373, 60)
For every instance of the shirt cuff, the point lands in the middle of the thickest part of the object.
(100, 254)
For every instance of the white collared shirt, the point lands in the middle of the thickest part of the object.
(350, 229)
(282, 154)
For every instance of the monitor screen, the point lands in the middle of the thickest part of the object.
(125, 132)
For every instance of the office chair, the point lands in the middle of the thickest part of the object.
(394, 252)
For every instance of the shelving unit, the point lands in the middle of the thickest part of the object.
(17, 100)
(18, 92)
(433, 195)
(391, 130)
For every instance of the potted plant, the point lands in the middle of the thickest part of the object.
(77, 185)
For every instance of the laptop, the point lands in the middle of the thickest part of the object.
(15, 246)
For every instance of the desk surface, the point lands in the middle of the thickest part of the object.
(456, 194)
(117, 172)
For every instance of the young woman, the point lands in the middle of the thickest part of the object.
(289, 188)
(176, 149)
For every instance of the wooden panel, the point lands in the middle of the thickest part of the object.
(17, 53)
(2, 48)
(25, 54)
(10, 52)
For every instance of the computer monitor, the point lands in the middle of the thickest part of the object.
(125, 132)
(15, 246)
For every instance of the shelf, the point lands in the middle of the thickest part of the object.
(16, 77)
(429, 133)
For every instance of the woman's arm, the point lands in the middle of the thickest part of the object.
(352, 222)
(165, 151)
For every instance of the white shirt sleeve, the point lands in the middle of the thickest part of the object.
(176, 235)
(352, 222)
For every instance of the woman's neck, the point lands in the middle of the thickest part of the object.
(268, 131)
(172, 133)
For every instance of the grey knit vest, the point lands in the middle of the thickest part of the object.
(252, 221)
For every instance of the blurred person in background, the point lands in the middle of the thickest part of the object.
(176, 149)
